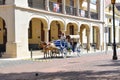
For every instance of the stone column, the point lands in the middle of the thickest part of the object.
(117, 34)
(46, 35)
(91, 34)
(17, 44)
(11, 49)
(47, 5)
(63, 6)
(81, 37)
(101, 9)
(98, 8)
(88, 39)
(88, 8)
(98, 40)
(77, 2)
(11, 43)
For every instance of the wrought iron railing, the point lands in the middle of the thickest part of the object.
(71, 11)
(83, 13)
(55, 7)
(37, 5)
(94, 15)
(2, 2)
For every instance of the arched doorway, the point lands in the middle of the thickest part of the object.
(56, 28)
(3, 35)
(85, 36)
(36, 33)
(72, 29)
(96, 37)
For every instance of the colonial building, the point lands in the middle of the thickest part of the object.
(109, 25)
(24, 23)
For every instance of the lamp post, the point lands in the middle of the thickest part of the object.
(114, 43)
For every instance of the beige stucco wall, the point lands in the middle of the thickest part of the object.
(1, 31)
(36, 31)
(17, 20)
(54, 31)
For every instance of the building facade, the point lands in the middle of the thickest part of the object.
(24, 23)
(109, 25)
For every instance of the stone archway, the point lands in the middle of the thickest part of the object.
(37, 32)
(72, 29)
(3, 35)
(96, 36)
(85, 30)
(56, 28)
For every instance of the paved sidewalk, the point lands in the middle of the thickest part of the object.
(97, 66)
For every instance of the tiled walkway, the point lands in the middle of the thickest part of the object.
(97, 66)
(10, 63)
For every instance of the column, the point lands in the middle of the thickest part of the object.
(77, 7)
(81, 36)
(91, 34)
(119, 36)
(47, 5)
(101, 9)
(88, 8)
(63, 6)
(98, 40)
(102, 37)
(88, 40)
(46, 35)
(11, 49)
(98, 8)
(17, 44)
(112, 34)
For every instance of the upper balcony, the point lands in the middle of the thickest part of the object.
(55, 7)
(65, 7)
(7, 2)
(37, 4)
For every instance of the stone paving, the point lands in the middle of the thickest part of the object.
(97, 66)
(6, 63)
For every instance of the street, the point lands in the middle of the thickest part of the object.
(96, 66)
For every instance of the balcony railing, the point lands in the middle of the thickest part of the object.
(83, 13)
(2, 2)
(55, 7)
(94, 15)
(37, 5)
(71, 11)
